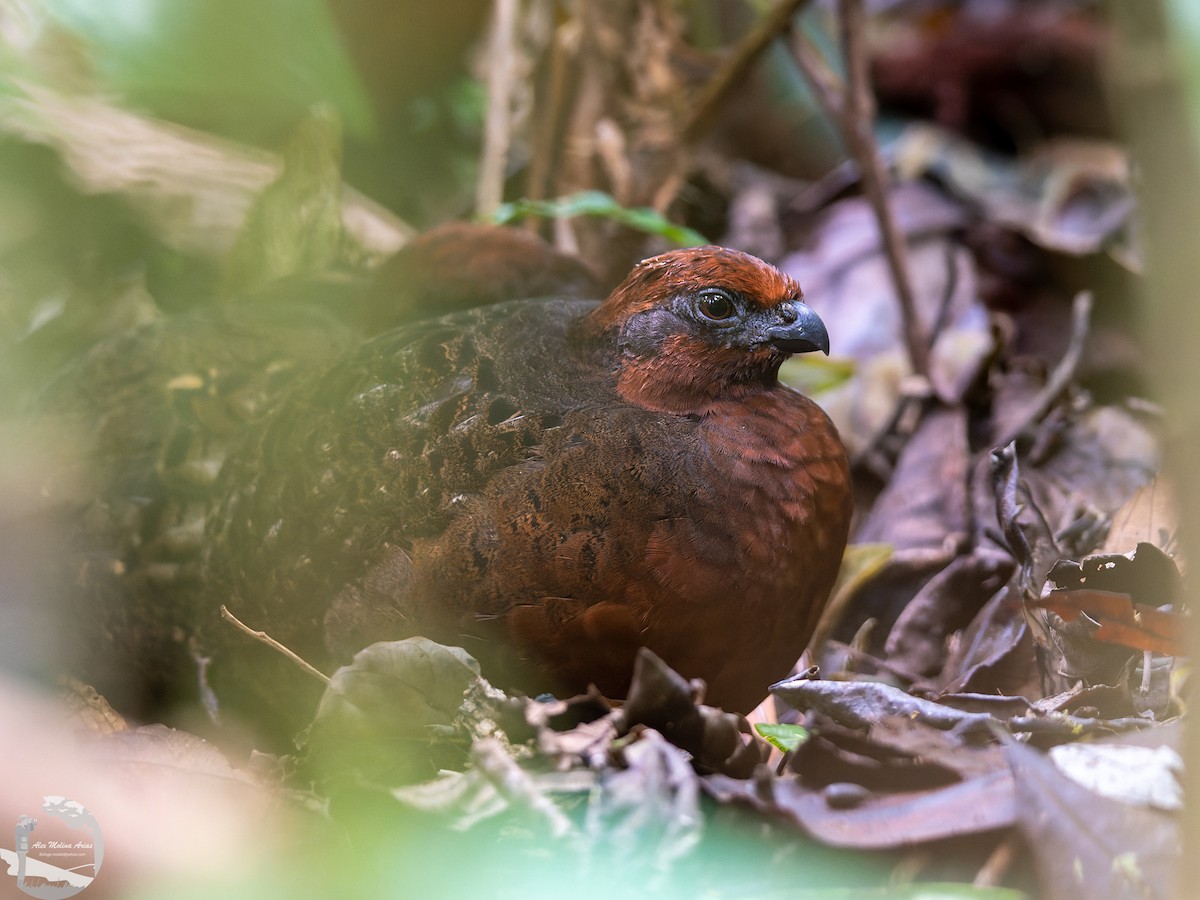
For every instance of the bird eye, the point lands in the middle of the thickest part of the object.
(715, 305)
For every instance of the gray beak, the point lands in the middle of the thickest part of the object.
(800, 331)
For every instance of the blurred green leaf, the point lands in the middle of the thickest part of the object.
(241, 69)
(861, 562)
(783, 737)
(388, 716)
(294, 227)
(812, 374)
(1184, 31)
(598, 203)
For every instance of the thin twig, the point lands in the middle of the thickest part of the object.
(497, 134)
(880, 454)
(273, 644)
(861, 117)
(735, 65)
(850, 107)
(1060, 379)
(821, 192)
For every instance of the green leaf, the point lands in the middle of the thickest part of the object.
(783, 737)
(598, 203)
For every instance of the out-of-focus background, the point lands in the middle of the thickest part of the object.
(163, 157)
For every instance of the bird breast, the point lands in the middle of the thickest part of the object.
(754, 568)
(777, 505)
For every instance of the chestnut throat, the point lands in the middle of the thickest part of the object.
(691, 380)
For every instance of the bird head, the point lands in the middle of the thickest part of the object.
(698, 326)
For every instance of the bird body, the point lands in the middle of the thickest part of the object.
(551, 484)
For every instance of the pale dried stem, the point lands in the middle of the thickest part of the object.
(497, 136)
(549, 124)
(265, 638)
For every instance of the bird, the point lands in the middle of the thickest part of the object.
(551, 484)
(463, 265)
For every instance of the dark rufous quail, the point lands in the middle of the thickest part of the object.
(549, 483)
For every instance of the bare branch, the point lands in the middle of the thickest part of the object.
(851, 108)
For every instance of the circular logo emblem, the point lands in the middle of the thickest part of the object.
(60, 858)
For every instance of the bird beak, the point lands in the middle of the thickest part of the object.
(800, 331)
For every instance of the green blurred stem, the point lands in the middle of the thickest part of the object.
(1150, 96)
